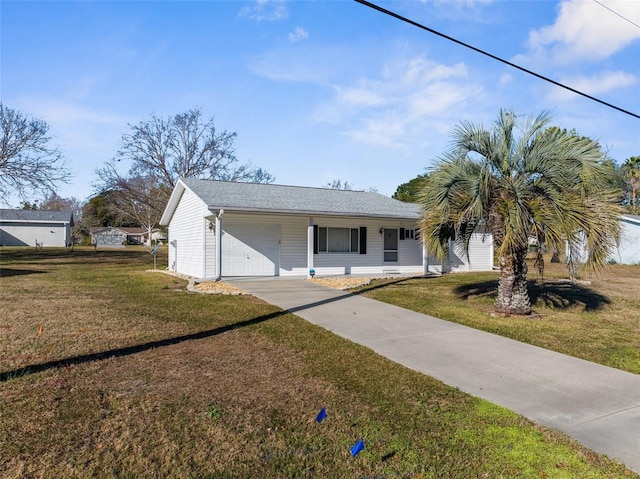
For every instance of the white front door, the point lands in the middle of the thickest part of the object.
(250, 249)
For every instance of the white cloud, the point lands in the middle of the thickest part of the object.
(265, 11)
(296, 71)
(420, 70)
(76, 127)
(298, 34)
(359, 96)
(380, 131)
(505, 79)
(460, 4)
(406, 100)
(603, 82)
(305, 64)
(65, 113)
(587, 31)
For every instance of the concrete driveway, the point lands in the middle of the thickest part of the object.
(596, 405)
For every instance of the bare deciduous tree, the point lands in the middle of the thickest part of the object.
(160, 151)
(141, 199)
(28, 163)
(339, 185)
(185, 146)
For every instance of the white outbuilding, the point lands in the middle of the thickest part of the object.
(35, 227)
(629, 250)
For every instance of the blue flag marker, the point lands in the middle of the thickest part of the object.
(321, 415)
(359, 446)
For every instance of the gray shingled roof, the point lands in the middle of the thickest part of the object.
(298, 199)
(39, 216)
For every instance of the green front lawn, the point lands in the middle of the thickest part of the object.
(108, 371)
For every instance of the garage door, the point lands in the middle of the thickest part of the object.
(250, 250)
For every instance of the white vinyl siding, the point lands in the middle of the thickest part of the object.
(629, 250)
(194, 254)
(293, 245)
(187, 231)
(25, 234)
(479, 257)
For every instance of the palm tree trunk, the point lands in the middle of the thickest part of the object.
(513, 297)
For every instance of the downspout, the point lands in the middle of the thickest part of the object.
(218, 221)
(310, 239)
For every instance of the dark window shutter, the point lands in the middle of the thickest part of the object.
(315, 239)
(363, 240)
(401, 233)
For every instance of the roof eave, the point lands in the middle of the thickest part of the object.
(631, 219)
(311, 213)
(172, 204)
(63, 222)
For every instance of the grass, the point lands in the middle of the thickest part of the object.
(597, 319)
(108, 371)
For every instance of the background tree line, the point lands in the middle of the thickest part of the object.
(624, 178)
(133, 187)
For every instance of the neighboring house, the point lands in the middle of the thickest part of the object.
(158, 236)
(629, 250)
(136, 235)
(220, 229)
(112, 237)
(35, 227)
(108, 237)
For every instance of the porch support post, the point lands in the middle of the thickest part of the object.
(218, 224)
(425, 259)
(309, 247)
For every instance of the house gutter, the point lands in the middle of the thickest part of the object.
(313, 213)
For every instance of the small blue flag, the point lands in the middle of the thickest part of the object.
(359, 446)
(321, 415)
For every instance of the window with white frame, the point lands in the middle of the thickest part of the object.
(406, 233)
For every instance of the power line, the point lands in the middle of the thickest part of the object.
(616, 13)
(537, 75)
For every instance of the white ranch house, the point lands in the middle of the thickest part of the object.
(28, 227)
(221, 229)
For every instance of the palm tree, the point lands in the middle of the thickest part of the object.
(631, 168)
(521, 179)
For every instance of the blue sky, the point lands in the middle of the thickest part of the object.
(317, 90)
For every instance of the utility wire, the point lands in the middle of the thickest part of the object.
(616, 13)
(416, 24)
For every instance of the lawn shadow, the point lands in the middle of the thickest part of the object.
(8, 272)
(383, 284)
(129, 350)
(553, 294)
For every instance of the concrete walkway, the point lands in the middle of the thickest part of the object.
(596, 405)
